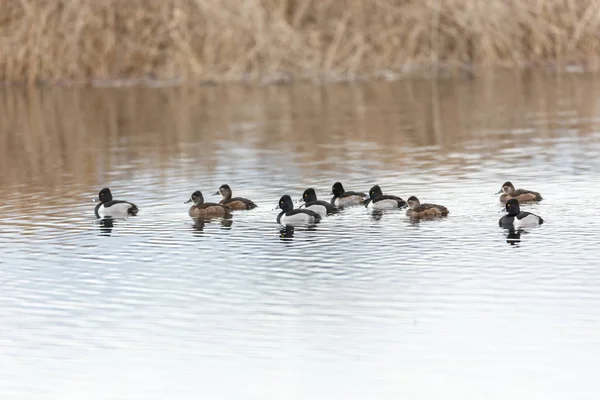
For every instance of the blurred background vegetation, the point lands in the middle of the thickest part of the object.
(279, 40)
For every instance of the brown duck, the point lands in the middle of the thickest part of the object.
(234, 203)
(425, 210)
(200, 209)
(524, 196)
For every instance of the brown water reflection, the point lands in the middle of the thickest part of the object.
(114, 309)
(60, 136)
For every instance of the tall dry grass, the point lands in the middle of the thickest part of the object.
(50, 40)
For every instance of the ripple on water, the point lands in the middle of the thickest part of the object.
(342, 309)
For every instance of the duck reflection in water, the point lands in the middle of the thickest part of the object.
(106, 226)
(377, 215)
(200, 223)
(513, 236)
(286, 233)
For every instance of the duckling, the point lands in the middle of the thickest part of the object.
(235, 203)
(524, 196)
(200, 209)
(113, 208)
(319, 206)
(341, 198)
(418, 210)
(517, 218)
(291, 216)
(379, 201)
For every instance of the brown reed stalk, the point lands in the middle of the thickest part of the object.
(221, 40)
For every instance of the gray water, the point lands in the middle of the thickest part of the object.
(361, 306)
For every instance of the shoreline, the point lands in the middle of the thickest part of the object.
(421, 71)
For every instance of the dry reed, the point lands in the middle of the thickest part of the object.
(220, 40)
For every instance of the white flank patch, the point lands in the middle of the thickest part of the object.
(387, 204)
(116, 210)
(300, 218)
(318, 208)
(528, 221)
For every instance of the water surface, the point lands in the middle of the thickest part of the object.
(361, 306)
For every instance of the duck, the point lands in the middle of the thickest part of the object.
(379, 201)
(341, 198)
(523, 195)
(517, 218)
(425, 210)
(235, 203)
(291, 216)
(107, 207)
(200, 209)
(309, 197)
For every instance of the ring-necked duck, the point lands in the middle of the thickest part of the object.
(341, 198)
(379, 201)
(235, 203)
(291, 216)
(200, 209)
(319, 206)
(418, 210)
(517, 218)
(113, 208)
(524, 196)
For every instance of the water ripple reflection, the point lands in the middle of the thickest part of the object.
(361, 305)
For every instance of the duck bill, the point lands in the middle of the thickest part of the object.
(216, 193)
(499, 191)
(277, 207)
(95, 199)
(189, 201)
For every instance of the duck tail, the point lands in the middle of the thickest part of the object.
(133, 209)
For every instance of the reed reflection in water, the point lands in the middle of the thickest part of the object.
(363, 305)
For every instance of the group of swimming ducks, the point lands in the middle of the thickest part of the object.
(312, 210)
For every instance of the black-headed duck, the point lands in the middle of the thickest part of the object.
(341, 198)
(107, 207)
(309, 197)
(234, 203)
(523, 195)
(200, 209)
(291, 216)
(517, 218)
(379, 201)
(425, 210)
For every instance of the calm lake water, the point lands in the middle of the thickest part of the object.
(362, 306)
